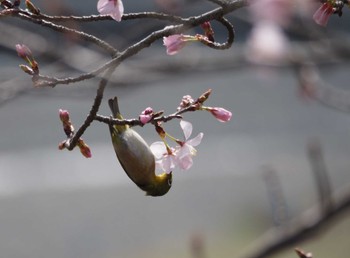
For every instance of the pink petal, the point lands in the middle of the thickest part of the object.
(185, 150)
(144, 119)
(196, 140)
(185, 163)
(323, 14)
(158, 149)
(168, 163)
(173, 43)
(114, 8)
(221, 114)
(186, 128)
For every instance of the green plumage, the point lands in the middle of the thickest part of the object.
(136, 157)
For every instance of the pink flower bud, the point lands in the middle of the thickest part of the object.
(186, 101)
(209, 33)
(146, 115)
(323, 13)
(23, 51)
(174, 43)
(221, 114)
(62, 145)
(84, 148)
(67, 124)
(64, 115)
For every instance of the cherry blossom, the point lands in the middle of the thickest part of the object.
(186, 151)
(181, 156)
(113, 8)
(165, 157)
(267, 44)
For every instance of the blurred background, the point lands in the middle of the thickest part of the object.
(250, 175)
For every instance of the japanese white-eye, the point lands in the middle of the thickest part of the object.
(136, 157)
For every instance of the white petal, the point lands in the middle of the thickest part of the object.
(185, 163)
(196, 140)
(159, 165)
(158, 149)
(186, 128)
(101, 4)
(113, 8)
(186, 150)
(168, 164)
(118, 11)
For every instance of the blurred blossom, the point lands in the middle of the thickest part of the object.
(267, 44)
(170, 6)
(276, 11)
(23, 51)
(113, 8)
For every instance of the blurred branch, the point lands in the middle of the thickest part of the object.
(320, 172)
(308, 225)
(314, 87)
(276, 196)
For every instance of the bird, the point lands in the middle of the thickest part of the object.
(136, 157)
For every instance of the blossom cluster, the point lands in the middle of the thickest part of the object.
(181, 156)
(168, 158)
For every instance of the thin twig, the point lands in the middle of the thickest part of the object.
(94, 109)
(59, 28)
(188, 23)
(321, 177)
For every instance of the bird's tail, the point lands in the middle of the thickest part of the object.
(113, 104)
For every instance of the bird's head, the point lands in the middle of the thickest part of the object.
(161, 185)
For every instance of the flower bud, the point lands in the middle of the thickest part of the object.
(32, 8)
(67, 124)
(322, 15)
(84, 148)
(204, 96)
(62, 145)
(186, 101)
(26, 69)
(146, 115)
(24, 52)
(209, 33)
(220, 114)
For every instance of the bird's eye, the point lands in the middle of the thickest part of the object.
(169, 181)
